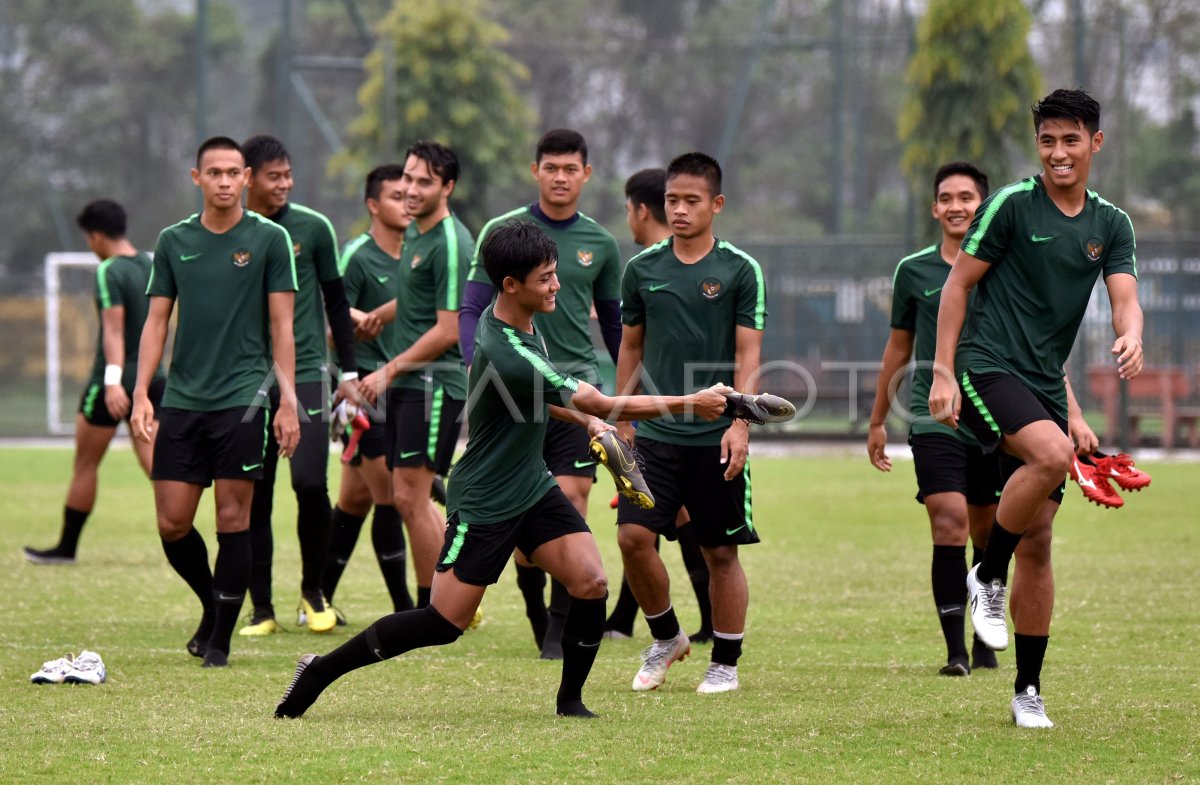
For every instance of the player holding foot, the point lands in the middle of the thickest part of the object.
(590, 276)
(121, 303)
(501, 495)
(232, 273)
(694, 310)
(1035, 250)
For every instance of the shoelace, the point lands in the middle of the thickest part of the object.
(86, 662)
(1031, 704)
(718, 673)
(655, 653)
(993, 600)
(637, 459)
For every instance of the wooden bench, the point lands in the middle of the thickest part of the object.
(1161, 393)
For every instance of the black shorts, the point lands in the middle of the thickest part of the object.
(693, 477)
(199, 447)
(422, 429)
(310, 461)
(994, 404)
(91, 403)
(565, 450)
(478, 552)
(945, 464)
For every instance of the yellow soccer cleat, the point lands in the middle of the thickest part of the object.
(254, 629)
(614, 454)
(318, 615)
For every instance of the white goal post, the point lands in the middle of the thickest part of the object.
(54, 265)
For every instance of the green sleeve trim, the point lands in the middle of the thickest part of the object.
(971, 246)
(760, 304)
(539, 364)
(287, 238)
(102, 283)
(349, 251)
(1132, 234)
(333, 244)
(453, 300)
(909, 258)
(661, 244)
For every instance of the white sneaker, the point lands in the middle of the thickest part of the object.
(719, 678)
(88, 668)
(1029, 711)
(657, 657)
(987, 611)
(53, 671)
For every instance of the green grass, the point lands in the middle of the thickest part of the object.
(838, 679)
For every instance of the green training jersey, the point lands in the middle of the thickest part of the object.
(121, 281)
(916, 296)
(690, 313)
(502, 473)
(431, 277)
(589, 269)
(222, 352)
(1044, 265)
(370, 279)
(314, 244)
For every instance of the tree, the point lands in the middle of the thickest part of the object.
(971, 82)
(438, 72)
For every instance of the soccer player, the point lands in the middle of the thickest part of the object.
(694, 309)
(501, 495)
(956, 481)
(645, 214)
(232, 273)
(590, 276)
(1034, 252)
(314, 245)
(121, 304)
(427, 374)
(370, 264)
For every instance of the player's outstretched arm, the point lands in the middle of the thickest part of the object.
(1127, 322)
(944, 400)
(432, 344)
(896, 354)
(150, 350)
(281, 307)
(708, 404)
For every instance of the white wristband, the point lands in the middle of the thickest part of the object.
(348, 376)
(112, 375)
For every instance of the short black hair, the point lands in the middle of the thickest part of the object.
(649, 187)
(378, 176)
(515, 249)
(697, 165)
(104, 216)
(263, 148)
(561, 141)
(441, 159)
(1074, 105)
(961, 167)
(218, 143)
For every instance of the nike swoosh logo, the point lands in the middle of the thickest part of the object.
(314, 412)
(405, 455)
(392, 556)
(187, 257)
(382, 278)
(949, 609)
(729, 532)
(379, 654)
(656, 286)
(222, 597)
(931, 292)
(1037, 238)
(251, 467)
(626, 463)
(584, 464)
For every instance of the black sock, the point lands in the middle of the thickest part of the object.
(342, 539)
(423, 593)
(387, 535)
(976, 554)
(532, 583)
(949, 574)
(726, 651)
(189, 556)
(997, 555)
(388, 637)
(582, 630)
(665, 626)
(231, 574)
(560, 604)
(624, 613)
(1031, 650)
(262, 553)
(697, 568)
(73, 521)
(312, 527)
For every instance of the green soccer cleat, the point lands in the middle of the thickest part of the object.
(614, 454)
(759, 409)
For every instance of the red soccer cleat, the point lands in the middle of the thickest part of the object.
(359, 424)
(1094, 484)
(613, 504)
(1121, 470)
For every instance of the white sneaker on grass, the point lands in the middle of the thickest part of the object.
(657, 657)
(1029, 711)
(53, 671)
(87, 668)
(718, 678)
(987, 611)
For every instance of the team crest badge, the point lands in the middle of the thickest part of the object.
(416, 260)
(296, 249)
(1095, 249)
(241, 257)
(584, 257)
(710, 288)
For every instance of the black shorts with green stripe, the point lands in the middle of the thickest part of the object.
(199, 447)
(478, 553)
(995, 404)
(95, 412)
(692, 476)
(422, 428)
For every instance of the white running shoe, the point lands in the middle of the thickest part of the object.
(987, 611)
(88, 668)
(53, 671)
(1029, 710)
(657, 657)
(718, 678)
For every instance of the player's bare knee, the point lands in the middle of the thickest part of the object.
(634, 539)
(591, 586)
(948, 528)
(170, 530)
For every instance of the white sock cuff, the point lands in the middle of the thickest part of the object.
(658, 615)
(729, 636)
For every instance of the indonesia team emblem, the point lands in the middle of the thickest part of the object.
(710, 288)
(241, 257)
(584, 257)
(416, 260)
(296, 249)
(1094, 250)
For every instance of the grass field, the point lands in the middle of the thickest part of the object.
(838, 681)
